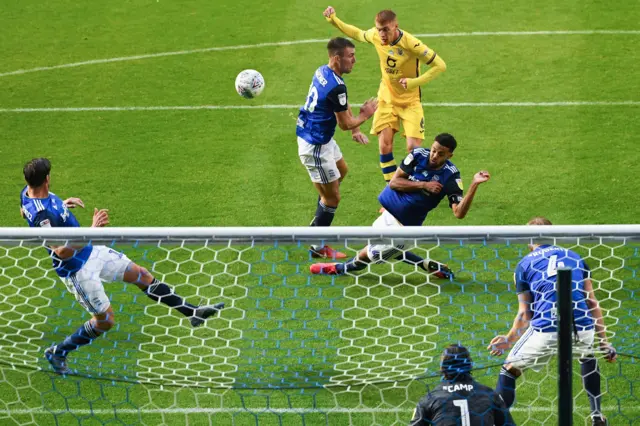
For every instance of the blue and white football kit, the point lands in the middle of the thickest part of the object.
(90, 266)
(536, 273)
(316, 125)
(412, 208)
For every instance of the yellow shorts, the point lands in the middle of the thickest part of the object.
(389, 115)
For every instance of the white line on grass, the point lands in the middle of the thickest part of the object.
(284, 106)
(308, 41)
(102, 411)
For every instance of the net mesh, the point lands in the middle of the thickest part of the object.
(290, 347)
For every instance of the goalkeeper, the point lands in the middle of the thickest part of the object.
(399, 94)
(83, 269)
(458, 399)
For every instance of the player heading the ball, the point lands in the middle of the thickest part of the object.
(326, 106)
(83, 269)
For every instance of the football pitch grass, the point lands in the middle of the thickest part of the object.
(576, 164)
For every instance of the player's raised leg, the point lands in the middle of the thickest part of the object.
(162, 293)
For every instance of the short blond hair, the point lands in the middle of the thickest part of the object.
(385, 16)
(539, 220)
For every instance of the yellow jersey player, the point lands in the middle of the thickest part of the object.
(400, 56)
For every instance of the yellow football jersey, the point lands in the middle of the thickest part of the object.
(399, 59)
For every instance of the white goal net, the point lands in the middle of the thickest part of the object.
(291, 347)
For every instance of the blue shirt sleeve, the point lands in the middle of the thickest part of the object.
(71, 221)
(42, 220)
(337, 97)
(522, 283)
(409, 163)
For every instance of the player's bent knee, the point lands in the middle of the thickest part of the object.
(138, 275)
(332, 200)
(385, 146)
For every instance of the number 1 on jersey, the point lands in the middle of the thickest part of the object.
(464, 411)
(312, 99)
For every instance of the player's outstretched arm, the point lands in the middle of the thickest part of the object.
(346, 120)
(349, 30)
(461, 209)
(499, 344)
(73, 202)
(596, 313)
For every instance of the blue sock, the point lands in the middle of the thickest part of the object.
(82, 336)
(324, 215)
(388, 166)
(351, 265)
(506, 387)
(591, 381)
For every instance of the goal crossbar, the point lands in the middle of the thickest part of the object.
(488, 233)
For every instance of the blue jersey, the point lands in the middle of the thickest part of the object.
(412, 208)
(51, 212)
(317, 118)
(536, 273)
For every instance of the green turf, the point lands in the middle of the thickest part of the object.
(574, 164)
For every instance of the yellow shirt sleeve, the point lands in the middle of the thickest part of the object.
(349, 30)
(427, 56)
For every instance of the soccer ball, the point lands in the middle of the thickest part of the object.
(249, 84)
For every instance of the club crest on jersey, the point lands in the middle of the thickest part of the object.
(408, 159)
(436, 178)
(342, 98)
(459, 182)
(400, 51)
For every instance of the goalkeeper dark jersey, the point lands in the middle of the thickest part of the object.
(461, 403)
